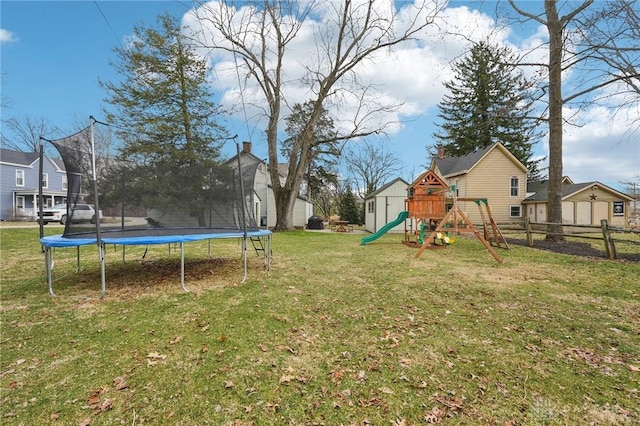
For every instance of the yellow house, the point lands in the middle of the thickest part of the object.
(582, 203)
(492, 173)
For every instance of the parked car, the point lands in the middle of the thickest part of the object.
(59, 213)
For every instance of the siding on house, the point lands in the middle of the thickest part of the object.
(485, 173)
(29, 163)
(491, 179)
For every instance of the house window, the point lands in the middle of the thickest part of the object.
(515, 211)
(65, 182)
(19, 177)
(19, 202)
(515, 186)
(45, 180)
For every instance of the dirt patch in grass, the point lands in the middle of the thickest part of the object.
(574, 248)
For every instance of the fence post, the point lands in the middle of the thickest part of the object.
(609, 245)
(527, 228)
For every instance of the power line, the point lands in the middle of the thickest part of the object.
(108, 23)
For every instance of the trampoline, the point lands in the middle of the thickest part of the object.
(153, 236)
(185, 198)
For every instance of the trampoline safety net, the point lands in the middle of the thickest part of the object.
(155, 195)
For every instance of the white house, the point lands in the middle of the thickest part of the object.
(264, 199)
(19, 183)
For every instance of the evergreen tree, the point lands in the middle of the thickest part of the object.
(167, 118)
(348, 208)
(322, 167)
(489, 101)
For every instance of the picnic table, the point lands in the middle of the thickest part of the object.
(341, 225)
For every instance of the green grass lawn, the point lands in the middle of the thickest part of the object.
(336, 333)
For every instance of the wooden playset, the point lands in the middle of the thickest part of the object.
(431, 226)
(425, 203)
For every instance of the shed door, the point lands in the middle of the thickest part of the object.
(567, 212)
(600, 211)
(583, 213)
(541, 212)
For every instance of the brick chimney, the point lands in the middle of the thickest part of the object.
(246, 147)
(440, 151)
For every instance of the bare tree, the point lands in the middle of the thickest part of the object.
(370, 166)
(566, 54)
(261, 37)
(23, 134)
(610, 35)
(5, 101)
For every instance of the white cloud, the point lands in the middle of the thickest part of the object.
(603, 148)
(412, 74)
(7, 36)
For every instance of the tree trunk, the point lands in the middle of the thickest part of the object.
(554, 197)
(284, 208)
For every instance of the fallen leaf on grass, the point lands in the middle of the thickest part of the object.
(336, 377)
(228, 384)
(175, 340)
(386, 390)
(434, 415)
(452, 404)
(107, 404)
(633, 368)
(285, 380)
(119, 383)
(405, 361)
(153, 358)
(4, 373)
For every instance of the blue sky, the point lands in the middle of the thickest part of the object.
(53, 53)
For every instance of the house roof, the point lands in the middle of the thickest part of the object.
(541, 189)
(386, 186)
(8, 156)
(541, 185)
(452, 166)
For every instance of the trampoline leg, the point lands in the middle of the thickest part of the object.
(182, 267)
(268, 254)
(244, 259)
(49, 269)
(77, 259)
(103, 280)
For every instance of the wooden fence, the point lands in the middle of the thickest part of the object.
(604, 232)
